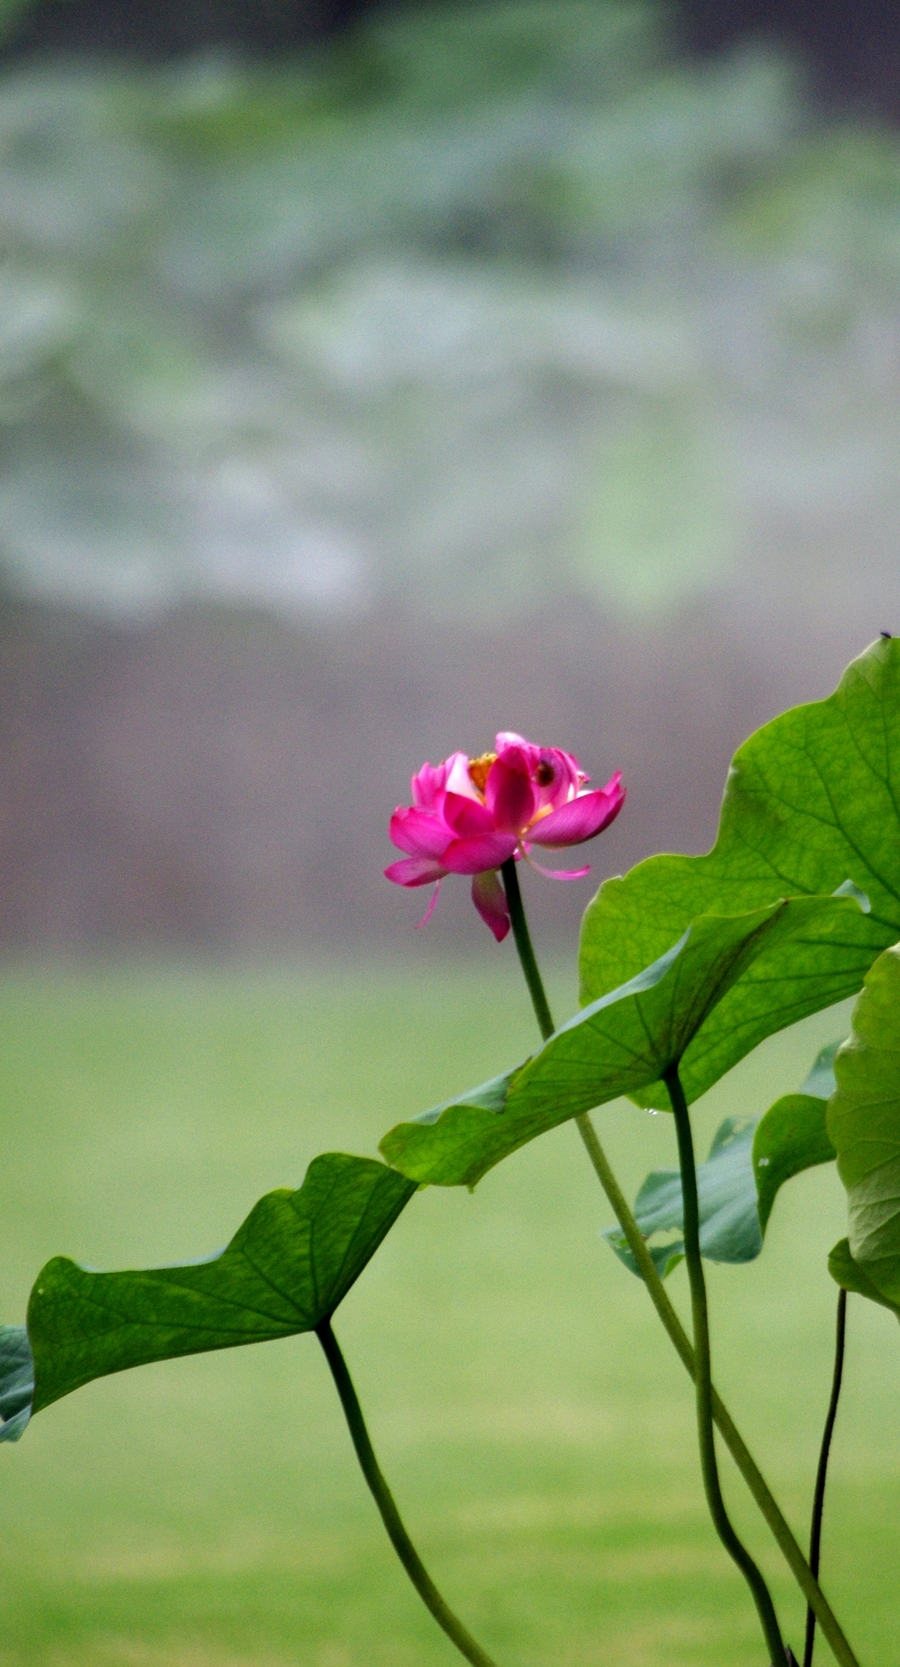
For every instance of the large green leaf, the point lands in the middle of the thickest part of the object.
(864, 1125)
(749, 1161)
(620, 1043)
(285, 1270)
(811, 802)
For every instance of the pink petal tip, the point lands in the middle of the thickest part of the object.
(431, 908)
(490, 901)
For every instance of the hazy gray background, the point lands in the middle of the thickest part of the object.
(402, 374)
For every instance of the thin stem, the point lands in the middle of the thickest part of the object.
(734, 1441)
(815, 1537)
(390, 1516)
(731, 1435)
(703, 1376)
(525, 948)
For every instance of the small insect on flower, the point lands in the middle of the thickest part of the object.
(471, 815)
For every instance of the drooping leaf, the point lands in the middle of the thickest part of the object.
(821, 1081)
(810, 803)
(864, 1125)
(617, 1045)
(16, 1381)
(749, 1161)
(729, 1224)
(852, 1277)
(286, 1269)
(791, 1137)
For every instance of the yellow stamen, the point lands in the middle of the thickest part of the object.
(478, 769)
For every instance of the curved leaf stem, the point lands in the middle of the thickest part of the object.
(815, 1537)
(734, 1441)
(390, 1516)
(703, 1376)
(729, 1431)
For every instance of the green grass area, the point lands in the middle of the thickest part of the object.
(527, 1408)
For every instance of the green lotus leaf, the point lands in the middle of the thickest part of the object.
(864, 1125)
(852, 1277)
(617, 1045)
(811, 802)
(791, 1137)
(16, 1381)
(729, 1223)
(286, 1269)
(749, 1161)
(821, 1082)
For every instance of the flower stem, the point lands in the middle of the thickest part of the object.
(729, 1431)
(815, 1538)
(390, 1516)
(525, 948)
(703, 1376)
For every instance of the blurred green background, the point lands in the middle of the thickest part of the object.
(425, 371)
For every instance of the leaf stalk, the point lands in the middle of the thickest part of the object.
(815, 1537)
(734, 1441)
(390, 1516)
(703, 1376)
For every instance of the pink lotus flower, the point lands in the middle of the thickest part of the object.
(470, 815)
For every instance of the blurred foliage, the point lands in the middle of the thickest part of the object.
(10, 13)
(471, 305)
